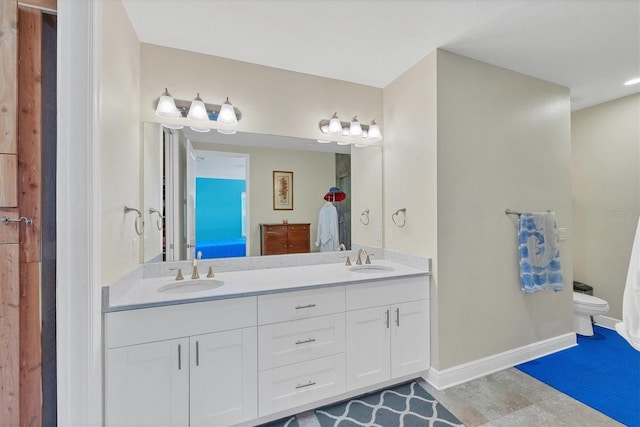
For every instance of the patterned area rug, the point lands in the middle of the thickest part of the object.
(284, 422)
(406, 405)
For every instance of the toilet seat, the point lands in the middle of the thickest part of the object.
(589, 301)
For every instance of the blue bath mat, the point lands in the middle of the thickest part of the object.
(602, 371)
(407, 405)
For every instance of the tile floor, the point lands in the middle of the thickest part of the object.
(507, 398)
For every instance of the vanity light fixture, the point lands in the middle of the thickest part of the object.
(198, 111)
(353, 132)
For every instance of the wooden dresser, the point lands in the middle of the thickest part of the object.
(277, 239)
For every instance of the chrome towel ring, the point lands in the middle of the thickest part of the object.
(139, 230)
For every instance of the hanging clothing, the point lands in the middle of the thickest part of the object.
(328, 237)
(629, 328)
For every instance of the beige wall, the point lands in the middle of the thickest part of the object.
(464, 141)
(503, 142)
(152, 195)
(313, 175)
(272, 101)
(606, 195)
(120, 135)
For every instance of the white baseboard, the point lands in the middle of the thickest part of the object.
(497, 362)
(606, 321)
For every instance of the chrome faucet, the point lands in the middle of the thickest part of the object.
(359, 258)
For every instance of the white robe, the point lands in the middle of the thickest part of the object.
(629, 328)
(328, 239)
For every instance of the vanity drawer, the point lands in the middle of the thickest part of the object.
(385, 292)
(285, 343)
(175, 321)
(297, 305)
(299, 384)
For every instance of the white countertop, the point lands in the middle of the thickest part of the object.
(144, 292)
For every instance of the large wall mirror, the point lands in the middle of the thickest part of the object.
(212, 194)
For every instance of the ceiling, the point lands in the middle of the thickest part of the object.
(590, 46)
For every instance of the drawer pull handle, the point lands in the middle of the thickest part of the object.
(179, 357)
(310, 383)
(197, 353)
(305, 341)
(305, 306)
(387, 319)
(397, 317)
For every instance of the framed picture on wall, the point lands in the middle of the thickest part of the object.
(282, 191)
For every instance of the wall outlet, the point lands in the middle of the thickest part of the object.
(563, 233)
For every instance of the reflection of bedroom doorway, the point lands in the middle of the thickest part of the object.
(222, 204)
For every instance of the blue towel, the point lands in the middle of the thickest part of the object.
(539, 252)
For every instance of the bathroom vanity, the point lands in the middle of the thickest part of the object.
(267, 343)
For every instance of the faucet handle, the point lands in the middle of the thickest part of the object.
(348, 260)
(179, 276)
(368, 261)
(210, 272)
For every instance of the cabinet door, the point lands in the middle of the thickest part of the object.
(224, 377)
(274, 240)
(409, 338)
(299, 240)
(367, 347)
(148, 384)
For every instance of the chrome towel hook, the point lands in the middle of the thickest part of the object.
(394, 216)
(365, 213)
(139, 230)
(159, 220)
(7, 220)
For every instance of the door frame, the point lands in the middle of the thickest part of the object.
(79, 311)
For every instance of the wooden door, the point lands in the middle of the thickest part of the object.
(275, 240)
(9, 233)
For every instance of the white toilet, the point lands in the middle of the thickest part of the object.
(585, 306)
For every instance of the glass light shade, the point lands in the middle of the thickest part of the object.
(324, 141)
(361, 145)
(632, 82)
(343, 143)
(166, 106)
(227, 114)
(345, 132)
(226, 131)
(335, 127)
(202, 130)
(355, 129)
(197, 110)
(172, 126)
(324, 128)
(374, 132)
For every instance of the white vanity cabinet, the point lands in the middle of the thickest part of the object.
(180, 365)
(387, 331)
(301, 344)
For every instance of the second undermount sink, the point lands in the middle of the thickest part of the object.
(187, 286)
(371, 268)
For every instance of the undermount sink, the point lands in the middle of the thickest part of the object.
(187, 286)
(371, 268)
